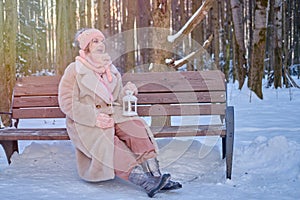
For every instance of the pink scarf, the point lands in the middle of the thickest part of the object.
(99, 70)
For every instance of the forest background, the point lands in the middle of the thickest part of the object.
(247, 39)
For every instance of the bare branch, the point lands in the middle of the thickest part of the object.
(178, 63)
(192, 22)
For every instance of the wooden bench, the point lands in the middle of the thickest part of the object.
(160, 94)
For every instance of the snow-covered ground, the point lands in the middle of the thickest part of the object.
(266, 161)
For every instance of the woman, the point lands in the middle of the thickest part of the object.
(107, 144)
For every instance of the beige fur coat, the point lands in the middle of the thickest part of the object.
(79, 93)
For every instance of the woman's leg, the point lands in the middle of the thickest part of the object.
(133, 147)
(124, 159)
(135, 136)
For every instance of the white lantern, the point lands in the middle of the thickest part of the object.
(129, 104)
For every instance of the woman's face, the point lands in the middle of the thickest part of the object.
(97, 46)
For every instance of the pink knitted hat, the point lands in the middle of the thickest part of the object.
(86, 37)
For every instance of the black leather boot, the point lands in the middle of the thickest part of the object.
(151, 184)
(151, 167)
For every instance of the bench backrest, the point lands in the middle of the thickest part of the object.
(160, 94)
(36, 97)
(180, 93)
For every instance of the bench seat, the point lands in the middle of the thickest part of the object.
(61, 133)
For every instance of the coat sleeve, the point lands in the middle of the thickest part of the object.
(68, 98)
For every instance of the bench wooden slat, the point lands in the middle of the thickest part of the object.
(155, 110)
(182, 97)
(61, 133)
(37, 86)
(163, 98)
(177, 82)
(34, 134)
(181, 110)
(184, 131)
(38, 80)
(50, 90)
(36, 101)
(38, 113)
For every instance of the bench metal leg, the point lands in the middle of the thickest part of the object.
(9, 146)
(229, 139)
(223, 147)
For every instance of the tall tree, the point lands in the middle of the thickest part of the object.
(270, 44)
(198, 33)
(102, 17)
(143, 20)
(296, 28)
(82, 12)
(216, 30)
(64, 35)
(41, 30)
(51, 32)
(161, 21)
(8, 19)
(25, 45)
(89, 9)
(278, 43)
(228, 42)
(237, 8)
(285, 54)
(256, 69)
(129, 13)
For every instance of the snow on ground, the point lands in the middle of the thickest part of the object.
(266, 161)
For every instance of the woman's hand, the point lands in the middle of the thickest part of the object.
(104, 121)
(131, 87)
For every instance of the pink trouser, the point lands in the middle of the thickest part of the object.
(132, 147)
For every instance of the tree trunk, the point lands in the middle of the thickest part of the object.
(228, 43)
(256, 70)
(239, 40)
(8, 49)
(42, 37)
(103, 17)
(82, 16)
(128, 25)
(161, 21)
(143, 20)
(296, 26)
(51, 35)
(285, 43)
(216, 29)
(72, 30)
(64, 36)
(270, 44)
(278, 44)
(89, 9)
(198, 34)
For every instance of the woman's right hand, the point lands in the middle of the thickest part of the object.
(104, 121)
